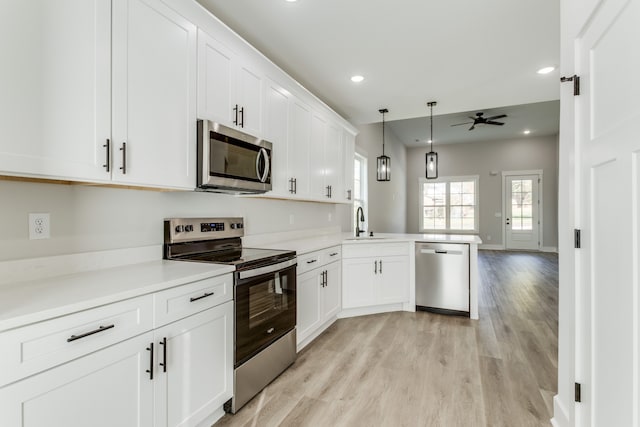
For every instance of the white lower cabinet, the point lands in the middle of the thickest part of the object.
(111, 387)
(108, 367)
(375, 274)
(194, 369)
(318, 294)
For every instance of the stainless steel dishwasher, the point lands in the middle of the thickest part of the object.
(442, 278)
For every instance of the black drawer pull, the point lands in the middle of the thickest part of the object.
(86, 334)
(150, 370)
(207, 294)
(163, 343)
(311, 261)
(333, 254)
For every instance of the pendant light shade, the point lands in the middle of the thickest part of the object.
(383, 168)
(431, 158)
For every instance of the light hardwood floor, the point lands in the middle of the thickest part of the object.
(423, 369)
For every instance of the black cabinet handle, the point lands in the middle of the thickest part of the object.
(107, 163)
(333, 254)
(380, 266)
(150, 370)
(207, 294)
(123, 168)
(375, 271)
(348, 194)
(311, 261)
(291, 186)
(295, 185)
(235, 109)
(163, 343)
(242, 117)
(86, 334)
(328, 191)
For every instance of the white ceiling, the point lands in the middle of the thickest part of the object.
(541, 119)
(466, 55)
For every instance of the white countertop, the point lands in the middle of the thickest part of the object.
(32, 301)
(310, 244)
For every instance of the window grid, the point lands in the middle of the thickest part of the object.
(359, 188)
(522, 204)
(450, 204)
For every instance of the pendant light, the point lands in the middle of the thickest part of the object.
(431, 156)
(384, 162)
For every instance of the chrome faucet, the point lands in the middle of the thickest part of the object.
(358, 220)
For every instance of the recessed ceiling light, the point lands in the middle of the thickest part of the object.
(291, 1)
(546, 70)
(527, 132)
(357, 79)
(429, 141)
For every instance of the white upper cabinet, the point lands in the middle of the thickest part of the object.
(154, 95)
(298, 148)
(334, 163)
(316, 157)
(276, 125)
(349, 157)
(229, 86)
(56, 97)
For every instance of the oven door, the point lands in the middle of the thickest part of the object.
(265, 301)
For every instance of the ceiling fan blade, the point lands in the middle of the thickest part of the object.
(459, 124)
(473, 126)
(501, 116)
(491, 122)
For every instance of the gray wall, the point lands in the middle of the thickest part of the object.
(387, 200)
(482, 158)
(85, 218)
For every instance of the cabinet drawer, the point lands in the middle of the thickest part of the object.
(331, 254)
(182, 301)
(374, 249)
(308, 262)
(34, 348)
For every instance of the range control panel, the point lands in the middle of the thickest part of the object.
(192, 229)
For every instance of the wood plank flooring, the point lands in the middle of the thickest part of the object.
(423, 369)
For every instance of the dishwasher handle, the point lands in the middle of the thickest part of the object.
(439, 252)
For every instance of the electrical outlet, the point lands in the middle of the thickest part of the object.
(39, 226)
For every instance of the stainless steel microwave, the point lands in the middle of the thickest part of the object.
(230, 161)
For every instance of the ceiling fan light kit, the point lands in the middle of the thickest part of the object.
(383, 168)
(431, 158)
(479, 119)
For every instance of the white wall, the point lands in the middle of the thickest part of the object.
(387, 200)
(85, 218)
(481, 158)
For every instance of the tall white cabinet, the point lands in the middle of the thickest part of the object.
(56, 98)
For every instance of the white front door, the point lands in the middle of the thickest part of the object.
(522, 207)
(607, 117)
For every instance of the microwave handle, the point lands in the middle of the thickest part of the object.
(262, 153)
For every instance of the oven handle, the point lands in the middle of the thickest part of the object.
(267, 269)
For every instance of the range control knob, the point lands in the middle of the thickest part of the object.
(239, 225)
(179, 228)
(188, 228)
(233, 226)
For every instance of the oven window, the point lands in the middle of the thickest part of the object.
(232, 158)
(267, 301)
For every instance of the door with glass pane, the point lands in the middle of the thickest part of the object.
(522, 219)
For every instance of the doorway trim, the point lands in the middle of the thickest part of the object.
(506, 174)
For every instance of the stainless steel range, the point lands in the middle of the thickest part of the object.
(264, 296)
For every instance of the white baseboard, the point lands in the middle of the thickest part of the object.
(560, 414)
(364, 311)
(492, 247)
(549, 249)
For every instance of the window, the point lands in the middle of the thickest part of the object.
(449, 204)
(360, 188)
(522, 204)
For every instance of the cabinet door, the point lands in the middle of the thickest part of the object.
(154, 95)
(349, 155)
(216, 80)
(308, 303)
(317, 157)
(298, 147)
(110, 387)
(56, 96)
(249, 98)
(276, 110)
(334, 162)
(393, 283)
(195, 377)
(358, 277)
(332, 292)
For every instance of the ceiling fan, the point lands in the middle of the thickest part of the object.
(479, 119)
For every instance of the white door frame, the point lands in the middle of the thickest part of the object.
(506, 174)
